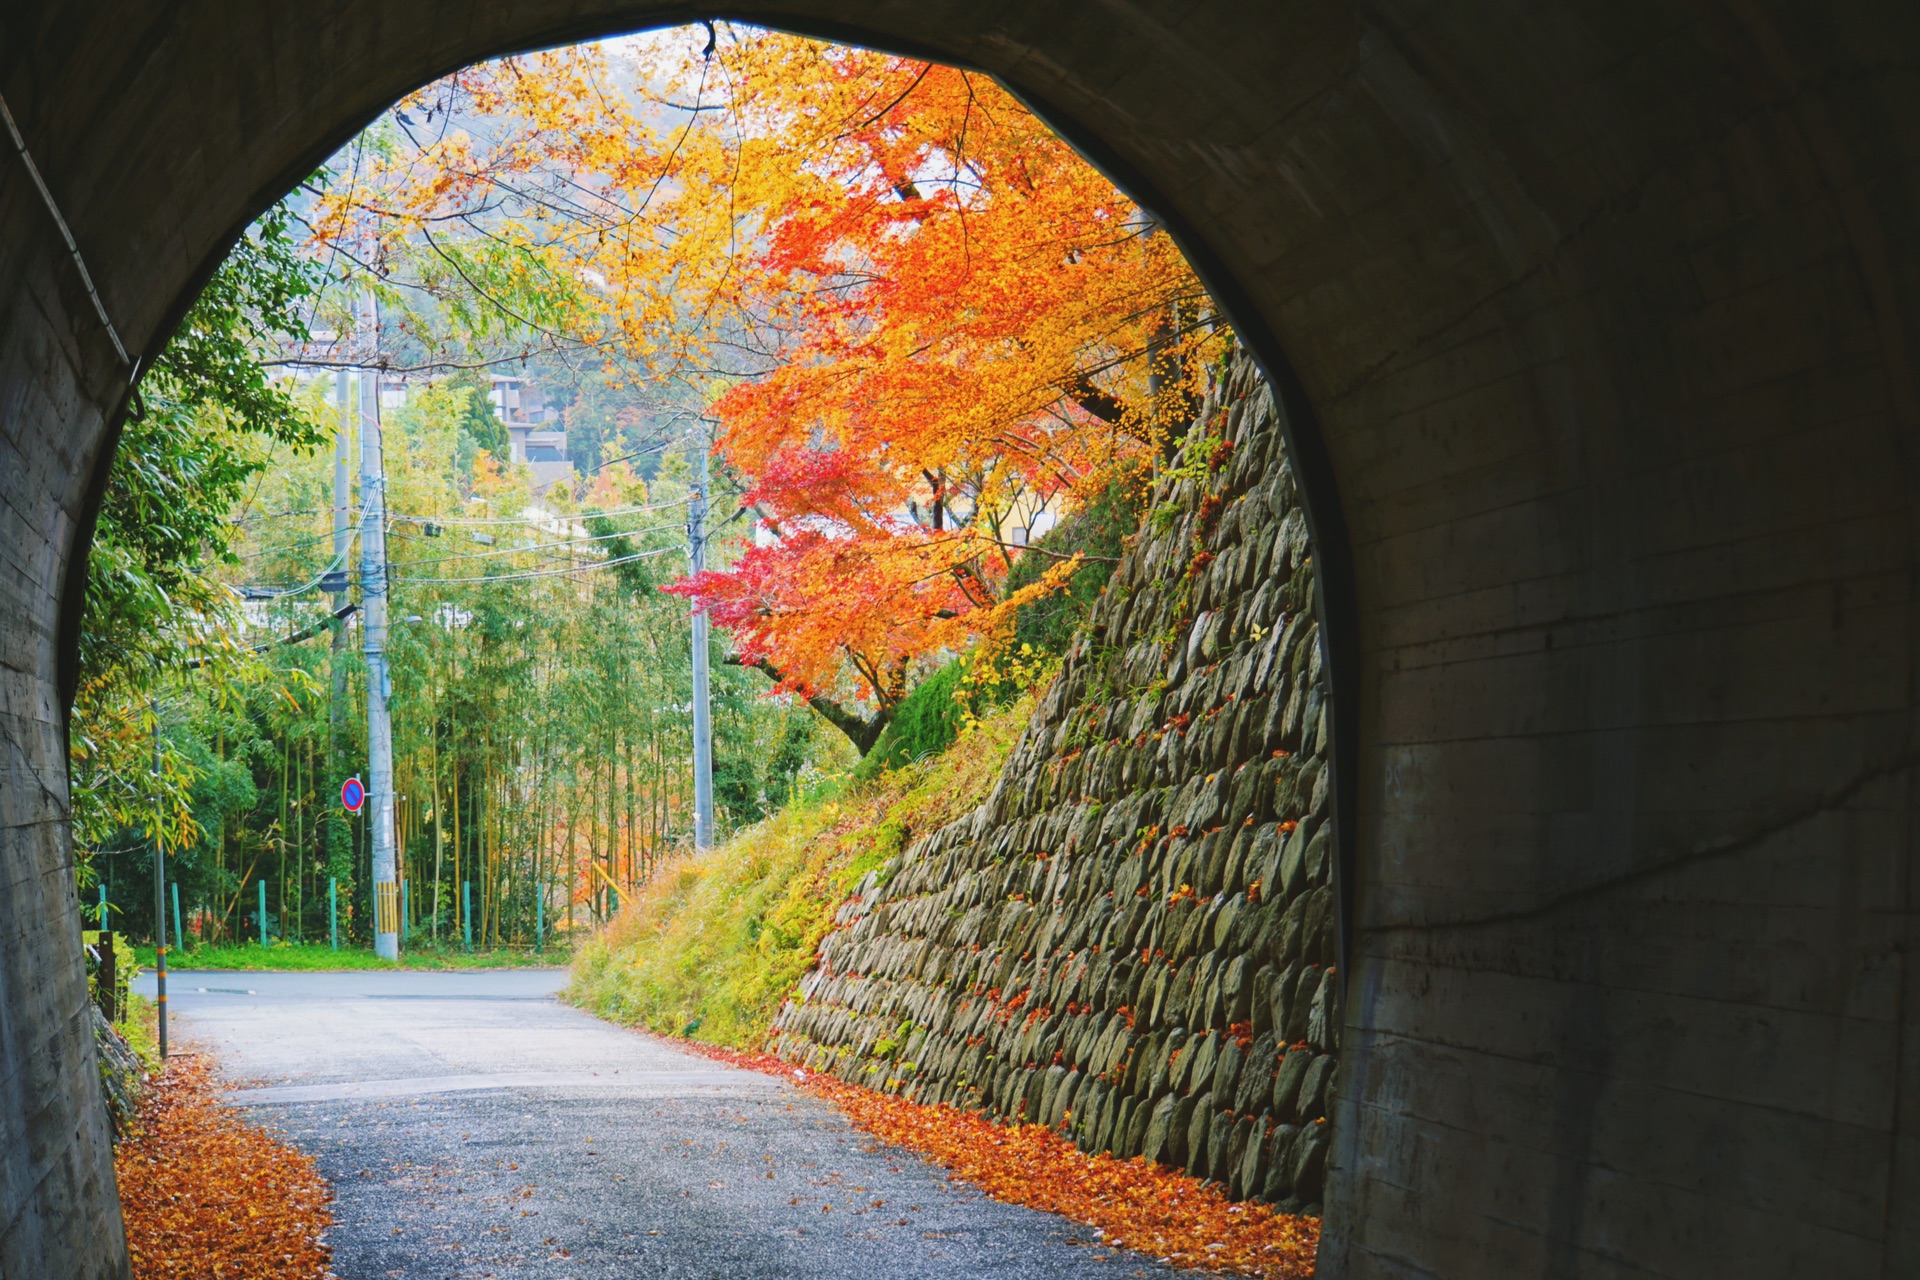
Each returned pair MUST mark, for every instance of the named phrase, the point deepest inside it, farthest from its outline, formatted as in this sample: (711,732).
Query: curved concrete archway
(1596,323)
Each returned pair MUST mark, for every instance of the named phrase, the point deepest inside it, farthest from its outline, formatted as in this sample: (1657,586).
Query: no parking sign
(353,795)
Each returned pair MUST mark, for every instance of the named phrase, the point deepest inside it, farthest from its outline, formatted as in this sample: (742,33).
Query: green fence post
(539,920)
(100,917)
(333,910)
(466,914)
(179,934)
(403,909)
(263,911)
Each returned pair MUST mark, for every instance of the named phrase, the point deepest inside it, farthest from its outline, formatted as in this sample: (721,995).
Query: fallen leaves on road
(207,1196)
(1137,1204)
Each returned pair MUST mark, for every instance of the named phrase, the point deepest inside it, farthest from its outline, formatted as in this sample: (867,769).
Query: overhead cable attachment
(86,278)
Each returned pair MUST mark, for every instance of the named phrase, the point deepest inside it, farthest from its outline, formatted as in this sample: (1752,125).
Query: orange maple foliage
(921,320)
(1137,1204)
(207,1196)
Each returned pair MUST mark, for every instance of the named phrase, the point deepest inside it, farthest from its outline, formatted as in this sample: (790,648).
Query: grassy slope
(142,1030)
(715,944)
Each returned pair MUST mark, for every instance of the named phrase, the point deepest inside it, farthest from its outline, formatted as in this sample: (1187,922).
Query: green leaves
(255,302)
(203,428)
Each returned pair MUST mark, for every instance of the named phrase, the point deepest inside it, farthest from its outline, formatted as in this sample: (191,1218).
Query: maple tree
(921,324)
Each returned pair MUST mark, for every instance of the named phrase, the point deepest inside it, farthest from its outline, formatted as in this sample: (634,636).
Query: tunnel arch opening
(1335,602)
(1275,423)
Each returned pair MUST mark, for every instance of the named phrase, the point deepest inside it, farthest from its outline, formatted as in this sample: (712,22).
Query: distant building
(535,441)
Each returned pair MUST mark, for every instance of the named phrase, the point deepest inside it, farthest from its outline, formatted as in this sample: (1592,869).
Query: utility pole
(159,885)
(373,605)
(702,712)
(342,486)
(337,661)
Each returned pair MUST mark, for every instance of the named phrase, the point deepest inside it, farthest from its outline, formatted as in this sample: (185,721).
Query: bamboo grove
(542,731)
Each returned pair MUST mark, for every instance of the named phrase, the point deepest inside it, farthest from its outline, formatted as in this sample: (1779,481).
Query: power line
(334,565)
(257,516)
(338,562)
(578,515)
(300,544)
(538,547)
(545,573)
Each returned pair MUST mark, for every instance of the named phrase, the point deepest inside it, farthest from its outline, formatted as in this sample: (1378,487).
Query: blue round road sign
(353,795)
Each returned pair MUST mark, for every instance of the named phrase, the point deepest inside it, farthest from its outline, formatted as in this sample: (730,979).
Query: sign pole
(353,797)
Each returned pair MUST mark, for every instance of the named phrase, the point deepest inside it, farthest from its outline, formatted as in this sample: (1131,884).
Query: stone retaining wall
(1134,937)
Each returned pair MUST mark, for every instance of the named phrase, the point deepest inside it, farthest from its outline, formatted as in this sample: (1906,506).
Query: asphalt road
(474,1128)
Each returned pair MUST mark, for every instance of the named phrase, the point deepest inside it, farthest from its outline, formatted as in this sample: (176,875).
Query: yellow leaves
(204,1194)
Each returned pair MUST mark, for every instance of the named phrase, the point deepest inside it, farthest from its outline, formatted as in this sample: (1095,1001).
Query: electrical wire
(339,561)
(258,516)
(544,573)
(463,521)
(535,548)
(300,544)
(334,565)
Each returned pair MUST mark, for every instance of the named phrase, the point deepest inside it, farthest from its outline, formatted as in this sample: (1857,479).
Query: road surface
(476,1129)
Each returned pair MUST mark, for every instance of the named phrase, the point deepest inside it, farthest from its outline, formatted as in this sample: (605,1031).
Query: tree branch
(1101,404)
(862,733)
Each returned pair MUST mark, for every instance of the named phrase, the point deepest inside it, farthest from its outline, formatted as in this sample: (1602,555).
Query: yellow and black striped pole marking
(387,907)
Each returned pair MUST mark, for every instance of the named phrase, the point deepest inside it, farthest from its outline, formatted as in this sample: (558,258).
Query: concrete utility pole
(159,886)
(373,607)
(342,485)
(702,713)
(342,540)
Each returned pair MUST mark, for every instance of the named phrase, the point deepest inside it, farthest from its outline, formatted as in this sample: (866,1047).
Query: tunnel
(1592,324)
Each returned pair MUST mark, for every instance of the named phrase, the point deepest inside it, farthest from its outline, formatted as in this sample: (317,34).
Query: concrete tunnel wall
(1593,327)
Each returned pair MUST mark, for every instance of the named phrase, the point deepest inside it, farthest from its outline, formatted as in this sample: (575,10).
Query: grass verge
(318,957)
(141,1030)
(712,945)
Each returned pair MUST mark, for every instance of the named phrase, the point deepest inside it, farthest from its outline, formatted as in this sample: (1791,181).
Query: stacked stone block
(1133,938)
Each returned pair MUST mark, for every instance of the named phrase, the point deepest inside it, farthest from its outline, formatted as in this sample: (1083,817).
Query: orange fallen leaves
(207,1196)
(1137,1204)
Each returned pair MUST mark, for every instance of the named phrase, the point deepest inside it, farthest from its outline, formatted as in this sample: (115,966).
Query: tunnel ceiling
(1593,324)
